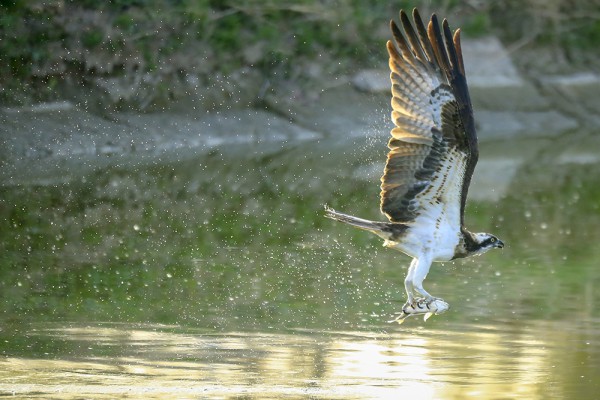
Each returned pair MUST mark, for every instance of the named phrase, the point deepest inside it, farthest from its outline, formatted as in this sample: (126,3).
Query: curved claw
(402,315)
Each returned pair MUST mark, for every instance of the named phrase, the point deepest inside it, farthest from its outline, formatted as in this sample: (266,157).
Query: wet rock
(341,111)
(49,130)
(580,148)
(494,81)
(348,117)
(488,64)
(578,94)
(57,145)
(372,81)
(495,125)
(577,80)
(499,164)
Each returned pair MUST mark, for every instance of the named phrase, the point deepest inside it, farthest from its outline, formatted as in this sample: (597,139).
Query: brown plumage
(433,117)
(432,156)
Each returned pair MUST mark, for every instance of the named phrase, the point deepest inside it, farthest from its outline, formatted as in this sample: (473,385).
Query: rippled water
(505,360)
(218,277)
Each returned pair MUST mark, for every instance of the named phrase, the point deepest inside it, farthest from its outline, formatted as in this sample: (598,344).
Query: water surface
(218,277)
(504,360)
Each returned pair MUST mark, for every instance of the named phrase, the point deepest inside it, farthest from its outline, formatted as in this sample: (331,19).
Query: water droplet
(136,227)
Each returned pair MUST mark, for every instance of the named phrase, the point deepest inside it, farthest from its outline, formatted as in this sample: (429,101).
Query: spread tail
(379,228)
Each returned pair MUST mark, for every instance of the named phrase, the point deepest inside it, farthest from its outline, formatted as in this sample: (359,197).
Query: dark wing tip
(394,28)
(439,48)
(452,52)
(416,14)
(456,40)
(404,17)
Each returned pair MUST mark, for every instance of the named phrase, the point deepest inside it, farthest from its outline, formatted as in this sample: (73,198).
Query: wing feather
(415,42)
(423,34)
(433,148)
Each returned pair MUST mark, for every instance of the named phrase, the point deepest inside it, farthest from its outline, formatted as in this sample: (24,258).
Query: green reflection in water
(216,242)
(237,243)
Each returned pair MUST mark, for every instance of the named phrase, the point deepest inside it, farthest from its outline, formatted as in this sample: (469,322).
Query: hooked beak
(500,244)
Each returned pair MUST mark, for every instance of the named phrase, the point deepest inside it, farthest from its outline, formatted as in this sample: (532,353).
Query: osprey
(432,156)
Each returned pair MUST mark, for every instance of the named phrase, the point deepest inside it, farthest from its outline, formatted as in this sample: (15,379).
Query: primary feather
(434,130)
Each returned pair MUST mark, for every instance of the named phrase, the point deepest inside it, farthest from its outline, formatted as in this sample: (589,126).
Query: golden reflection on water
(168,362)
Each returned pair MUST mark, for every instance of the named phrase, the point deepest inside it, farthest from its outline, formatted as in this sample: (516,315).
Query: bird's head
(485,242)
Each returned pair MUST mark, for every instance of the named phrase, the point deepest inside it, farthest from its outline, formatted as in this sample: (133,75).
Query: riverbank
(56,142)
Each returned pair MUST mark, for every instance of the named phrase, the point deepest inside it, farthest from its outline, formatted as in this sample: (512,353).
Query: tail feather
(379,228)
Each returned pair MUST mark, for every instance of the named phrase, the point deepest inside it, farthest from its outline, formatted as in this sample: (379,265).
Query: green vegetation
(246,244)
(42,41)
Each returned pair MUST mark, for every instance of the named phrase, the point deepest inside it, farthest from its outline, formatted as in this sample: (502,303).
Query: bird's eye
(493,240)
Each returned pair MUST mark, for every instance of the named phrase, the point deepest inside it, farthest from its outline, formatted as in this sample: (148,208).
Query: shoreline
(45,142)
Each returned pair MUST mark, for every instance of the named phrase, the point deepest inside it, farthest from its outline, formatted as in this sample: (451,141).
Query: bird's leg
(419,274)
(425,303)
(413,283)
(408,307)
(408,282)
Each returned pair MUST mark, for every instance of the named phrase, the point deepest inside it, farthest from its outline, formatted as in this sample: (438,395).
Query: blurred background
(163,171)
(147,53)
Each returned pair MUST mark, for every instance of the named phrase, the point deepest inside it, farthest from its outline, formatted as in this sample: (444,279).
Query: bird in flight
(432,155)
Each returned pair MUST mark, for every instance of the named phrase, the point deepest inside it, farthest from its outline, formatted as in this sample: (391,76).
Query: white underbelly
(431,234)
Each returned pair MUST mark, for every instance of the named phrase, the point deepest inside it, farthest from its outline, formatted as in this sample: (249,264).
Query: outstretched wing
(433,149)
